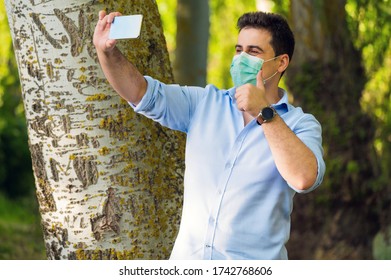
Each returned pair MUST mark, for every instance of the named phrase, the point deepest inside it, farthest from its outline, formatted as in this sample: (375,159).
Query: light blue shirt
(236,204)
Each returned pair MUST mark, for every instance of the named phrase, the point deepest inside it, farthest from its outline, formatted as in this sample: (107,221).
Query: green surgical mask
(245,67)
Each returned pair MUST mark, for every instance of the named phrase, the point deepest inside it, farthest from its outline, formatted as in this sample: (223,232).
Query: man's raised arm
(123,76)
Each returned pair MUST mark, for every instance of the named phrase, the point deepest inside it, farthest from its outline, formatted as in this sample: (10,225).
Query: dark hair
(283,41)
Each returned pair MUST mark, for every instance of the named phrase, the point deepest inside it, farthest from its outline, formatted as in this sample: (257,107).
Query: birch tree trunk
(108,182)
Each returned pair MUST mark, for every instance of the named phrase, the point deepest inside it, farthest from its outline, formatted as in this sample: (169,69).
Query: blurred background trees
(328,78)
(340,73)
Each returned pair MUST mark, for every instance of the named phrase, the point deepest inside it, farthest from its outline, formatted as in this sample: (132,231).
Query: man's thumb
(260,80)
(110,44)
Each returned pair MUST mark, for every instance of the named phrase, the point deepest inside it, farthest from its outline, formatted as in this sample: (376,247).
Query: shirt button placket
(209,240)
(212,224)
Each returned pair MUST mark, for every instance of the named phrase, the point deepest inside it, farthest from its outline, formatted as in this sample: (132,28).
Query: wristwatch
(267,114)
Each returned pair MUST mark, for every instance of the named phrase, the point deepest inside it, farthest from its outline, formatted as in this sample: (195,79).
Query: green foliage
(382,245)
(369,22)
(167,10)
(20,231)
(370,25)
(353,182)
(281,7)
(15,164)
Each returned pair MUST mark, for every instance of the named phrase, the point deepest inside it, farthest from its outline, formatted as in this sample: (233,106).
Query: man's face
(256,42)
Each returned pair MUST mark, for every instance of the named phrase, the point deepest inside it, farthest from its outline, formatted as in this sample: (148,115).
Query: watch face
(267,113)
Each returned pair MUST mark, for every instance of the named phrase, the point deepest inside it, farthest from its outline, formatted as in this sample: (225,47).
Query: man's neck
(272,93)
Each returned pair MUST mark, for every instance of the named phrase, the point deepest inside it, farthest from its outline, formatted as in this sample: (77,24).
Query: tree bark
(108,182)
(339,220)
(191,42)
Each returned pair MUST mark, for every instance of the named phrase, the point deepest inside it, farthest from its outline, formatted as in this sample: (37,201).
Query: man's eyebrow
(249,47)
(255,47)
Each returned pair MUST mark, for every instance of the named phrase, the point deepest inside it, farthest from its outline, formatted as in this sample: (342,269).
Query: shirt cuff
(319,177)
(143,104)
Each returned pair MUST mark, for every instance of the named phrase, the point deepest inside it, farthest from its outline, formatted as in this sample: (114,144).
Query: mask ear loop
(264,81)
(270,59)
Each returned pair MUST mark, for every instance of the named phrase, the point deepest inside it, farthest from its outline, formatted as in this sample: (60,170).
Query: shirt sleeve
(170,105)
(309,130)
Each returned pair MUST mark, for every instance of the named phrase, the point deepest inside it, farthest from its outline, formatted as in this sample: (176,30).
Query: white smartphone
(126,27)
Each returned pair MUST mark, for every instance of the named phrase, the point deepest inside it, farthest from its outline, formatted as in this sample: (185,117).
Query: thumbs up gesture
(251,99)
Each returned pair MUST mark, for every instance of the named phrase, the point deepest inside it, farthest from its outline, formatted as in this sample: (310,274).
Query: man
(248,151)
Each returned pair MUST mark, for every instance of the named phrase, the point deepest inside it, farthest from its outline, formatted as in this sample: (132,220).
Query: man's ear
(284,62)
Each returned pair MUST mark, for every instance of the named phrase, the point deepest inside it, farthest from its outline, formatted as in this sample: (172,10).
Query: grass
(20,230)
